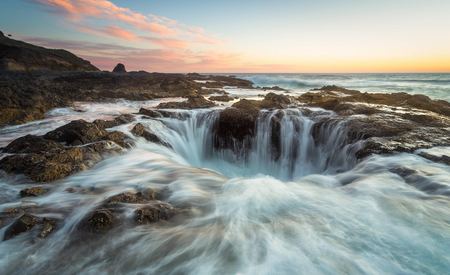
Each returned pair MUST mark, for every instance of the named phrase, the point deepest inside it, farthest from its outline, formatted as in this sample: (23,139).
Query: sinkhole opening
(285,144)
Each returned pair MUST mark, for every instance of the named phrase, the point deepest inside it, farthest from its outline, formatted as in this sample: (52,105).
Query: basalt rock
(119,68)
(274,88)
(330,97)
(236,125)
(80,132)
(193,102)
(109,213)
(122,119)
(33,144)
(45,160)
(99,221)
(48,226)
(77,132)
(275,101)
(150,113)
(154,212)
(442,159)
(20,56)
(140,197)
(34,191)
(382,133)
(139,130)
(223,98)
(23,224)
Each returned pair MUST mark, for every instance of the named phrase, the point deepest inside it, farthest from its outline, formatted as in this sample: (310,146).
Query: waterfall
(287,144)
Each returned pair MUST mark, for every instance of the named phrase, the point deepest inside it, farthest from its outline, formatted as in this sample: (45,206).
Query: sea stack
(120,68)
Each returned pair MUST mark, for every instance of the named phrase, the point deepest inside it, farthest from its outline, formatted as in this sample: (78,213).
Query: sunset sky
(241,36)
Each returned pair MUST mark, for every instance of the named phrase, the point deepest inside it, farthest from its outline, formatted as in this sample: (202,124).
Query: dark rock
(150,113)
(193,102)
(99,221)
(33,191)
(25,223)
(236,126)
(20,56)
(272,100)
(120,68)
(442,159)
(48,226)
(122,119)
(139,130)
(32,144)
(223,98)
(56,164)
(154,212)
(329,97)
(132,197)
(118,138)
(274,88)
(334,88)
(77,132)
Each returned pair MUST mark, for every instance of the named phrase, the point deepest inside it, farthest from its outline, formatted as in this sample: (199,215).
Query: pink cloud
(106,56)
(119,32)
(172,46)
(79,9)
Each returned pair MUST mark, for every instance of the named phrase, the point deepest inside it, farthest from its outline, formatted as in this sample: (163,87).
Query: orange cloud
(119,32)
(79,9)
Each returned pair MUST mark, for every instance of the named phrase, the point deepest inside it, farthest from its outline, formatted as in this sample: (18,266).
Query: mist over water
(308,208)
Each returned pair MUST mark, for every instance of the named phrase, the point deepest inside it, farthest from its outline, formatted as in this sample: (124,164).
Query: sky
(282,36)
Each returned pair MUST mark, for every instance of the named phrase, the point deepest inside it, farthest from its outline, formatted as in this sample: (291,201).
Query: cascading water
(303,206)
(288,144)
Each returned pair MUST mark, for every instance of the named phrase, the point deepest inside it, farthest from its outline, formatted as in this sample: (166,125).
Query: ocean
(436,86)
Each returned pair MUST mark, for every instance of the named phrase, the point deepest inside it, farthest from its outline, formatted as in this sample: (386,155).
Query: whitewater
(311,209)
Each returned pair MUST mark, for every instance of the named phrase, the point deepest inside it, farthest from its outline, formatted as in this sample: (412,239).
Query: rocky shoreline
(378,123)
(383,123)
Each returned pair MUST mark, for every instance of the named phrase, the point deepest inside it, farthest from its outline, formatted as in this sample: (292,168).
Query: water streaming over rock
(301,206)
(287,144)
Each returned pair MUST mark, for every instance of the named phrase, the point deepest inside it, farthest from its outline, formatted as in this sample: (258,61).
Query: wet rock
(329,97)
(427,119)
(223,98)
(48,226)
(334,88)
(150,113)
(235,126)
(119,138)
(154,212)
(32,144)
(100,221)
(139,130)
(33,191)
(193,102)
(25,223)
(54,165)
(421,182)
(274,101)
(442,159)
(122,119)
(274,88)
(119,68)
(132,197)
(77,132)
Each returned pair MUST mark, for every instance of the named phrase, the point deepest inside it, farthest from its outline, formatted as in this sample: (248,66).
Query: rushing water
(309,208)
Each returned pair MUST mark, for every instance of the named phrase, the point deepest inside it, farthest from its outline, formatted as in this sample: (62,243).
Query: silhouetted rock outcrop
(119,68)
(20,56)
